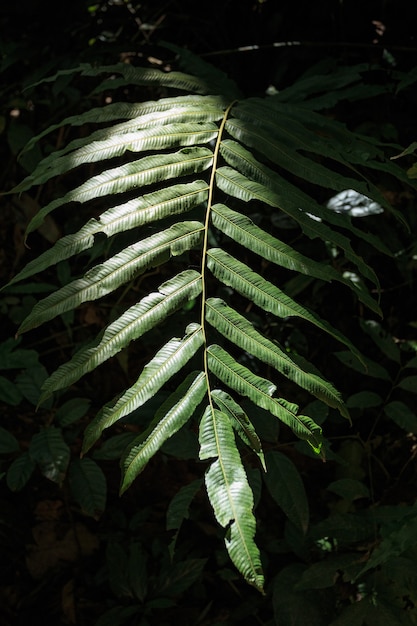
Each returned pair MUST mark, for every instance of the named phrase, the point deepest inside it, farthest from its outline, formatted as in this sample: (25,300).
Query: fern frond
(139,115)
(132,214)
(239,331)
(251,152)
(169,360)
(181,406)
(132,324)
(134,76)
(240,422)
(292,200)
(230,494)
(122,267)
(260,390)
(264,294)
(239,186)
(133,175)
(154,138)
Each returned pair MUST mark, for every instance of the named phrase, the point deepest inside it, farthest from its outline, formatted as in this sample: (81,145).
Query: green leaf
(132,175)
(373,369)
(354,615)
(401,415)
(13,357)
(325,574)
(183,445)
(412,363)
(113,447)
(117,565)
(19,471)
(394,543)
(349,489)
(364,400)
(8,442)
(297,608)
(374,609)
(238,330)
(118,615)
(49,450)
(260,390)
(169,360)
(230,494)
(285,485)
(71,411)
(345,528)
(29,383)
(181,407)
(383,340)
(137,571)
(121,268)
(240,422)
(179,577)
(10,392)
(131,325)
(178,508)
(409,383)
(88,486)
(132,214)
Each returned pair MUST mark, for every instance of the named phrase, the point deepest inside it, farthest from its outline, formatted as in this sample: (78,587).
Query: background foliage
(339,535)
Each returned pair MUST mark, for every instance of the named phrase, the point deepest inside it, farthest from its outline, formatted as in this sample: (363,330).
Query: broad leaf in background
(19,471)
(88,486)
(50,452)
(285,485)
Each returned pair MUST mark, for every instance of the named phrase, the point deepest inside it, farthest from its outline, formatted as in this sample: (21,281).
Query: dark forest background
(60,564)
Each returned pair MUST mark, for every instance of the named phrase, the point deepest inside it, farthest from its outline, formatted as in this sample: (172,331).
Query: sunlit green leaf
(131,325)
(170,359)
(187,188)
(230,494)
(177,412)
(122,267)
(240,421)
(260,390)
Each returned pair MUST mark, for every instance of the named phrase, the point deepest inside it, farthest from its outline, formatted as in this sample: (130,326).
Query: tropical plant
(214,169)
